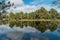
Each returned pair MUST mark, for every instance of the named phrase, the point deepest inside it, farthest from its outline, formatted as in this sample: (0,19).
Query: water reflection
(29,30)
(41,26)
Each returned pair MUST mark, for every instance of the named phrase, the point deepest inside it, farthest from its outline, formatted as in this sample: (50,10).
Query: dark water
(29,31)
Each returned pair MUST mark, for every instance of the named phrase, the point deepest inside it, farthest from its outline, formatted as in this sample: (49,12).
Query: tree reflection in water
(39,25)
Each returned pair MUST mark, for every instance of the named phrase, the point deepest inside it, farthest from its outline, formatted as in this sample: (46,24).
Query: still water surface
(29,32)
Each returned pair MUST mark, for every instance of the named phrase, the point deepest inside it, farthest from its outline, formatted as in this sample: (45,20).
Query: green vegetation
(41,13)
(41,26)
(38,14)
(17,19)
(33,19)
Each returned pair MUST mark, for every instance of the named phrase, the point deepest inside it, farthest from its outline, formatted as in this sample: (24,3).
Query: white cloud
(35,2)
(26,8)
(17,2)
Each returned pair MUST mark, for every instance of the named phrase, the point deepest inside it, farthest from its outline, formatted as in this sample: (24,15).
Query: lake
(29,31)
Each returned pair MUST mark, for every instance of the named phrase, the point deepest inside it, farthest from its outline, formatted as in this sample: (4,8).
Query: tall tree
(53,13)
(11,15)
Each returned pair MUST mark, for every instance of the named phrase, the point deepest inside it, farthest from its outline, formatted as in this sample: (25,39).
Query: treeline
(13,19)
(41,13)
(41,26)
(38,14)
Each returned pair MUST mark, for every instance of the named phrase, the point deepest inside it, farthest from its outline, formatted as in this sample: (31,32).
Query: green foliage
(11,15)
(0,16)
(42,13)
(53,13)
(11,23)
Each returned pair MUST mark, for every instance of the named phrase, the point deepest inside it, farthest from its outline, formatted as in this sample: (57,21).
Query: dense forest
(13,19)
(41,13)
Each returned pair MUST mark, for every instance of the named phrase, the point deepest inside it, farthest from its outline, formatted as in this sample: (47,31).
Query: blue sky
(31,5)
(38,1)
